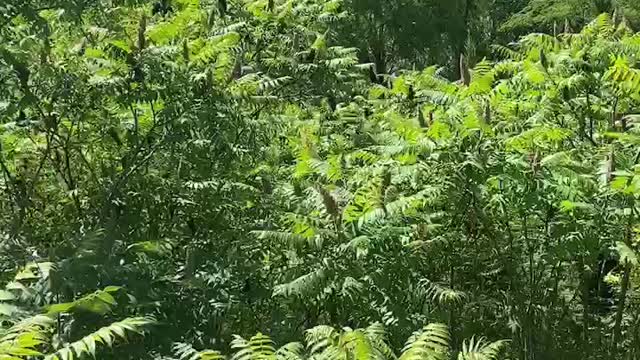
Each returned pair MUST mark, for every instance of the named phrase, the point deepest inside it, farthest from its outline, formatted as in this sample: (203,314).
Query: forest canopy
(319,179)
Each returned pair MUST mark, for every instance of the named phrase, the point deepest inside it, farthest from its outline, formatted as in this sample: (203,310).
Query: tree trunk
(585,305)
(452,313)
(621,302)
(377,52)
(617,327)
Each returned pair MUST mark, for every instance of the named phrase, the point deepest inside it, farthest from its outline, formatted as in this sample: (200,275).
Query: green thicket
(271,179)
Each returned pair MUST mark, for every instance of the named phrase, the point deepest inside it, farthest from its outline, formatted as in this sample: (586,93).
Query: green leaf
(6,295)
(626,254)
(8,309)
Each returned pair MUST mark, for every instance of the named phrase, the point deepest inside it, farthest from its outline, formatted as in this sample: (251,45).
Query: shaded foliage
(233,175)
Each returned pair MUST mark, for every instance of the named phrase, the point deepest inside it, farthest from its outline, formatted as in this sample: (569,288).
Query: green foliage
(326,342)
(99,302)
(185,351)
(23,338)
(480,350)
(299,170)
(430,343)
(28,337)
(105,336)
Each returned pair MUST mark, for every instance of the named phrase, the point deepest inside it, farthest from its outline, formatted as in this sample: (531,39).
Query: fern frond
(341,62)
(626,254)
(479,349)
(259,347)
(358,245)
(506,52)
(99,302)
(482,68)
(356,343)
(430,78)
(535,42)
(268,83)
(622,73)
(231,28)
(377,334)
(304,286)
(430,343)
(106,336)
(403,206)
(443,295)
(155,248)
(351,288)
(290,351)
(288,238)
(23,338)
(327,343)
(437,97)
(319,338)
(602,26)
(185,351)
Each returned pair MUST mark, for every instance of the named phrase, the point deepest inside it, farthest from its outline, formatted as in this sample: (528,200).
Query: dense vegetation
(322,179)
